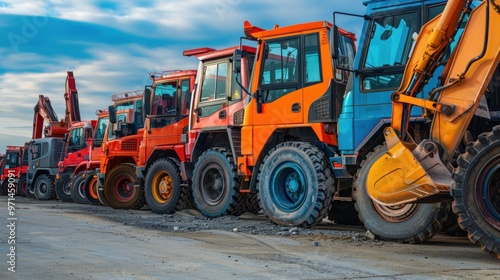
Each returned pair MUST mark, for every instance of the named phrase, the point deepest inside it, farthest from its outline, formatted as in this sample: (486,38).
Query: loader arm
(45,113)
(411,172)
(71,98)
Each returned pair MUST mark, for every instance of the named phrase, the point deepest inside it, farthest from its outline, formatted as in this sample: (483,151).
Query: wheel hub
(293,185)
(396,213)
(165,187)
(43,188)
(124,188)
(213,183)
(288,186)
(67,187)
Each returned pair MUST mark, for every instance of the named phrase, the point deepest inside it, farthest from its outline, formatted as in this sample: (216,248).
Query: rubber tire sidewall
(170,205)
(412,230)
(50,194)
(4,186)
(76,185)
(21,186)
(134,202)
(91,182)
(300,216)
(465,204)
(60,186)
(224,207)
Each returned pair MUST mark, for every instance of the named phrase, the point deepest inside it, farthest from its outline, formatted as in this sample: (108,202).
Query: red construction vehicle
(213,139)
(22,184)
(84,184)
(116,174)
(166,104)
(11,168)
(75,152)
(458,159)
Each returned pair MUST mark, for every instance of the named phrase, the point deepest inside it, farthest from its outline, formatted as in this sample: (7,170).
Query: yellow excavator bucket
(407,173)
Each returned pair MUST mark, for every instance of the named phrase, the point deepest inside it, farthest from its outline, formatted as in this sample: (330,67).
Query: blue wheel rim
(489,191)
(288,187)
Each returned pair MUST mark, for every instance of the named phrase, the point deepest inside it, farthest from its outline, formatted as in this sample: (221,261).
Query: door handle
(295,107)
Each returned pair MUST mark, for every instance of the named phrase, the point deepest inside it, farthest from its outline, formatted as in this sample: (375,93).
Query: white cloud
(114,68)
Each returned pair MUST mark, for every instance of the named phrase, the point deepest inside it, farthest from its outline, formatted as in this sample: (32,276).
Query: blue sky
(111,46)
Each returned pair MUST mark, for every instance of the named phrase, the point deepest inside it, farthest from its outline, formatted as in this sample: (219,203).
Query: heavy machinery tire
(295,184)
(163,187)
(477,191)
(119,188)
(44,188)
(91,189)
(344,213)
(252,203)
(216,184)
(100,195)
(3,188)
(21,186)
(30,190)
(63,187)
(405,223)
(78,188)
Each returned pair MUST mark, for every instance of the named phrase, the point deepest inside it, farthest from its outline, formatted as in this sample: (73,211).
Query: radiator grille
(129,145)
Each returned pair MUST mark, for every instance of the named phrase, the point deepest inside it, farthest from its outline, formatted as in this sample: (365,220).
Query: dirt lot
(55,240)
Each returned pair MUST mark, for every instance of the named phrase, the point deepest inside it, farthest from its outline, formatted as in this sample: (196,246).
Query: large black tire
(295,184)
(78,188)
(216,184)
(119,188)
(477,191)
(100,193)
(91,188)
(3,188)
(405,223)
(344,213)
(30,190)
(21,186)
(163,190)
(252,203)
(63,187)
(44,188)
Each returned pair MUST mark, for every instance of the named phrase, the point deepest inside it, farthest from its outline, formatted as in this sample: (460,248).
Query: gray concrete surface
(55,240)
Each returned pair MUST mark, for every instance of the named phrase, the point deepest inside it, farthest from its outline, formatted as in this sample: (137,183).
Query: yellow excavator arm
(411,172)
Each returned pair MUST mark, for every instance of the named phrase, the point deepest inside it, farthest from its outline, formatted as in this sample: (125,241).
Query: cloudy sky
(112,45)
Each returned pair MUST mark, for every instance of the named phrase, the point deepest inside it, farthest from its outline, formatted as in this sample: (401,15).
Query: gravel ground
(56,240)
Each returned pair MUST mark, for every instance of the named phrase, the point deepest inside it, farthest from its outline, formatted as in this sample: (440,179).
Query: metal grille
(129,145)
(321,109)
(238,116)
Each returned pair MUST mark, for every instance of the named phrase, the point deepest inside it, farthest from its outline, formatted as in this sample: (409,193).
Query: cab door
(279,96)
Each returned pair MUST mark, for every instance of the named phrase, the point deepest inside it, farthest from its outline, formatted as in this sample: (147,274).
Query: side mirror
(188,100)
(147,100)
(237,55)
(112,114)
(335,42)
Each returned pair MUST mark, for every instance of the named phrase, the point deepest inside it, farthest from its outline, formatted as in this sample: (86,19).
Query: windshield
(164,99)
(391,40)
(11,159)
(100,130)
